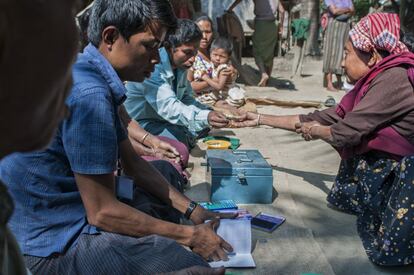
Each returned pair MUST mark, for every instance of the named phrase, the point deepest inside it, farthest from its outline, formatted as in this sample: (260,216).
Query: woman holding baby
(212,74)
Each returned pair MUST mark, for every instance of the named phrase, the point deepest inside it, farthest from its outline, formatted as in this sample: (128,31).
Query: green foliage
(361,8)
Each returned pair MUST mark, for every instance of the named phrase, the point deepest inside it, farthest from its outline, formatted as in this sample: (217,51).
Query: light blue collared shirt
(166,96)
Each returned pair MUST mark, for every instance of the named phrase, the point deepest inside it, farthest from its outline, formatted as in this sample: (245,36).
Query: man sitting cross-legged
(67,218)
(164,104)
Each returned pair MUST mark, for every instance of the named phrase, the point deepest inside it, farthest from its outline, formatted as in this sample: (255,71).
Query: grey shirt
(389,101)
(265,9)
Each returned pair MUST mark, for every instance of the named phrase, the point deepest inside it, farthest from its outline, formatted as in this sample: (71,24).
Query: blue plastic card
(219,205)
(267,222)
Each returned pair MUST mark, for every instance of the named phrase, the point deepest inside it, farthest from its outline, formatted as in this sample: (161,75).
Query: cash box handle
(244,160)
(239,153)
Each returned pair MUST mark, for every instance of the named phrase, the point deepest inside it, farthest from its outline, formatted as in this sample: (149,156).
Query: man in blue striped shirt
(68,219)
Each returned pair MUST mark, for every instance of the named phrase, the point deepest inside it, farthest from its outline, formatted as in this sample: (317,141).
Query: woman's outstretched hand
(304,128)
(313,130)
(249,120)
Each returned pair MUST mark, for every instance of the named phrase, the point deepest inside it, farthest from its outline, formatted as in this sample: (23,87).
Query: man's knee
(173,255)
(146,255)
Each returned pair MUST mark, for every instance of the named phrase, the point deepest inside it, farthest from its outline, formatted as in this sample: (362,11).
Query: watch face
(190,209)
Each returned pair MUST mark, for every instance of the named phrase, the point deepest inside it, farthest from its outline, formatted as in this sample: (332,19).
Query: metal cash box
(243,176)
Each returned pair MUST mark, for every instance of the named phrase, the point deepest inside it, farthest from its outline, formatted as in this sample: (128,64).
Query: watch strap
(190,209)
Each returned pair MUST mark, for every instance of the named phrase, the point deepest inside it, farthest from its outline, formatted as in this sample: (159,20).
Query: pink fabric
(182,150)
(386,139)
(183,13)
(379,31)
(324,21)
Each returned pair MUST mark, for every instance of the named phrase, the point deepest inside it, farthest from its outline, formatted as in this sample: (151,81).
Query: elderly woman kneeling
(373,130)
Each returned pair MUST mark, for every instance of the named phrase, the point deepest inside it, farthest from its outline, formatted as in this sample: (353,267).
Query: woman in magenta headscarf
(372,128)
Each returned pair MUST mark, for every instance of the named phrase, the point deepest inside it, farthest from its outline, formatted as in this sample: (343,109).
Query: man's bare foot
(263,81)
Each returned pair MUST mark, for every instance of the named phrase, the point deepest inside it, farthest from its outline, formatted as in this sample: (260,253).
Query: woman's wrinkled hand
(249,120)
(164,150)
(305,129)
(217,120)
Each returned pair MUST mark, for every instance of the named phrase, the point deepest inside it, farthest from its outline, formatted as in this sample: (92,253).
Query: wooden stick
(287,104)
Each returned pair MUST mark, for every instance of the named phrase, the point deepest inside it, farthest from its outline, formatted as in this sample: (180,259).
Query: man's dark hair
(204,18)
(128,16)
(222,43)
(186,32)
(83,23)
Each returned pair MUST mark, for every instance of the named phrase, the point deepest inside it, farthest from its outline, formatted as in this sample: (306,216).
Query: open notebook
(238,233)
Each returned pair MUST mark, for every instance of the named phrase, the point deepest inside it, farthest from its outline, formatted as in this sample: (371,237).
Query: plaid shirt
(49,215)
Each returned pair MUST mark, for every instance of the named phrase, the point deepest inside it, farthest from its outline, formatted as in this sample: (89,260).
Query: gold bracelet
(144,137)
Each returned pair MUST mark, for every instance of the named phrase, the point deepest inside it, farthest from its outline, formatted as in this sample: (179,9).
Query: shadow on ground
(221,132)
(199,192)
(275,194)
(316,179)
(278,83)
(197,152)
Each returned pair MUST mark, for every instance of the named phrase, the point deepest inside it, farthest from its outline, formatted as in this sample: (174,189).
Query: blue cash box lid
(228,162)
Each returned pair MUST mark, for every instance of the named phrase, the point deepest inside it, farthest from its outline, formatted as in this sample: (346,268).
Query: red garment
(385,139)
(181,9)
(378,31)
(324,21)
(183,12)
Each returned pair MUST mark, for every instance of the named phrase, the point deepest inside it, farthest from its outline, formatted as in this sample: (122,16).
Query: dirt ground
(314,239)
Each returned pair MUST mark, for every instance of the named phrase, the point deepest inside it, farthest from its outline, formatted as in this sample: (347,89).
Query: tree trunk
(407,15)
(197,5)
(310,10)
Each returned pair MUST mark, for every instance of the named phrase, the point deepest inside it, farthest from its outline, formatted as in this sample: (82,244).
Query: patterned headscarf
(380,31)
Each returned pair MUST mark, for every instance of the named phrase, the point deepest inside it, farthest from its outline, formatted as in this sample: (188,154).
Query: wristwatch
(190,209)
